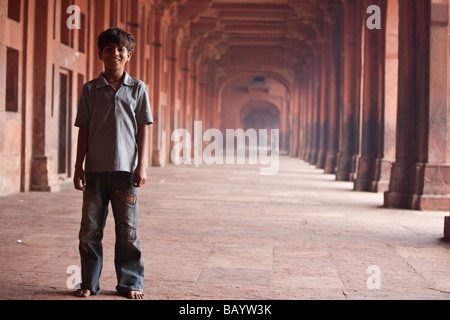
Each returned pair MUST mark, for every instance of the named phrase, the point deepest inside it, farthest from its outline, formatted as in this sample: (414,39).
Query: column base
(373,175)
(330,163)
(343,168)
(401,200)
(321,159)
(158,159)
(362,185)
(382,175)
(354,168)
(43,174)
(344,176)
(447,228)
(419,187)
(366,172)
(435,202)
(312,157)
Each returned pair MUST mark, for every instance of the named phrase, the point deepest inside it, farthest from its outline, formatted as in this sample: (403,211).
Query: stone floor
(227,232)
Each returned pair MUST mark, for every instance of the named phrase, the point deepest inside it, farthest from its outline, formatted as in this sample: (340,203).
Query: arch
(260,114)
(242,88)
(268,74)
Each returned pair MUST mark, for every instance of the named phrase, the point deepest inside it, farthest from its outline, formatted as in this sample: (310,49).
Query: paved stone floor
(226,232)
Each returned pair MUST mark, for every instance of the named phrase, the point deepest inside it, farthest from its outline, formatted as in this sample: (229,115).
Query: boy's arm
(140,174)
(79,177)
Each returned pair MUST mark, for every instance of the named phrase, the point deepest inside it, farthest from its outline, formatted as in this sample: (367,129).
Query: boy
(113,118)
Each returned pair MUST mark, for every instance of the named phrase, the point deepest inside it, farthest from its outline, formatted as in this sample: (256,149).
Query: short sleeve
(82,119)
(143,109)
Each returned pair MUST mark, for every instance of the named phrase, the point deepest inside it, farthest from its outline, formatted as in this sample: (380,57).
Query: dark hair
(116,36)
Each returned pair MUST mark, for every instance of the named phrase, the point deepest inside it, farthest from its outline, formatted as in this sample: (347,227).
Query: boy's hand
(79,179)
(139,176)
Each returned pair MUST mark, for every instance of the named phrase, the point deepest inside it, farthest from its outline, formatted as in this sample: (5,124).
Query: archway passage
(256,101)
(365,104)
(368,106)
(264,119)
(260,115)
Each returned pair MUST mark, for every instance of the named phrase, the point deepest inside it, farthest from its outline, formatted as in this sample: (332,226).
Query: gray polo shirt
(113,118)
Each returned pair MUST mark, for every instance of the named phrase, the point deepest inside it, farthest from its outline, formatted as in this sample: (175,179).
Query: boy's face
(114,57)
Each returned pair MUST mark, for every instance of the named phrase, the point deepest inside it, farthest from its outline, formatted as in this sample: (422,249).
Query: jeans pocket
(125,179)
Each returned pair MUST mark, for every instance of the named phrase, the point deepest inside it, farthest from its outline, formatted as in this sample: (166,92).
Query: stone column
(360,11)
(447,228)
(349,114)
(420,177)
(373,104)
(159,97)
(304,111)
(436,191)
(324,86)
(43,164)
(389,116)
(315,116)
(311,109)
(297,118)
(173,72)
(334,93)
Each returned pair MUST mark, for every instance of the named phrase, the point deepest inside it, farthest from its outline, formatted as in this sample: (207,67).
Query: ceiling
(255,34)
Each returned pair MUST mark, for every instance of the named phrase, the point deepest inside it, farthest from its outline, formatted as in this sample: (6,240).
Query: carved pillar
(420,177)
(349,115)
(373,104)
(383,168)
(309,86)
(360,9)
(297,120)
(159,96)
(43,163)
(436,192)
(304,111)
(324,86)
(173,72)
(334,94)
(315,116)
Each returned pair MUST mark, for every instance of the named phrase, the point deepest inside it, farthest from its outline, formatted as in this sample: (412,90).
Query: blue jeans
(117,188)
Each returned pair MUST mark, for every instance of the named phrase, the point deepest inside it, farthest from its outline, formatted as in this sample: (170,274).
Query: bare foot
(136,295)
(82,293)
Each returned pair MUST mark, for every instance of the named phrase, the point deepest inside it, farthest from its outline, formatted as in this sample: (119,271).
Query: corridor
(343,81)
(227,232)
(355,92)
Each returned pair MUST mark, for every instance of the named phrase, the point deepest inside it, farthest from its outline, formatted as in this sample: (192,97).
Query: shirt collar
(101,81)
